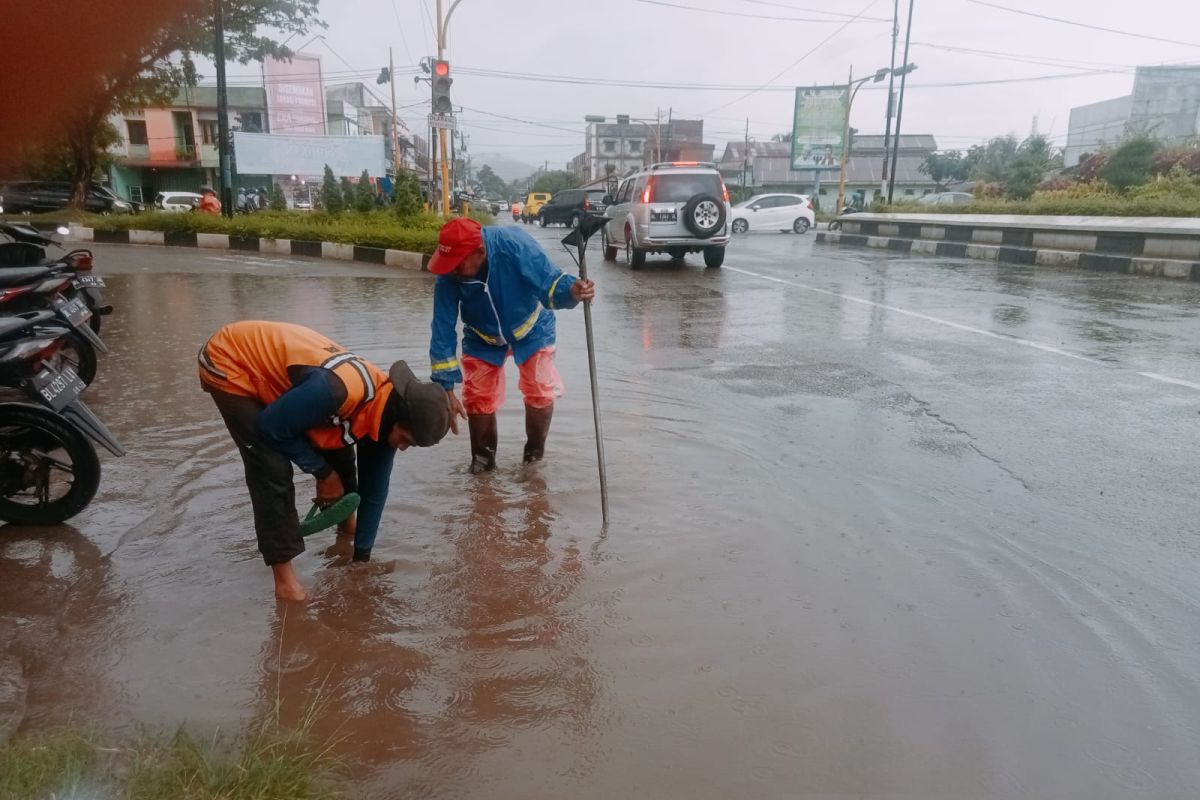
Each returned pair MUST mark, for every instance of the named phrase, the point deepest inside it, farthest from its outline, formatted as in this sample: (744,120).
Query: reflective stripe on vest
(522,330)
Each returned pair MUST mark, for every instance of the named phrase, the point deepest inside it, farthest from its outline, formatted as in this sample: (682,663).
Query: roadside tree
(163,64)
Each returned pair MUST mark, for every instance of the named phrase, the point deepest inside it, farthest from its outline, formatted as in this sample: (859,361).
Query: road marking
(1004,337)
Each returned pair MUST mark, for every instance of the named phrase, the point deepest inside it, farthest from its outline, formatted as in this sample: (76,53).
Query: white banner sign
(277,154)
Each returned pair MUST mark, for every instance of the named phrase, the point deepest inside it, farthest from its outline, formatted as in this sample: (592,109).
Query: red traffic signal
(441,68)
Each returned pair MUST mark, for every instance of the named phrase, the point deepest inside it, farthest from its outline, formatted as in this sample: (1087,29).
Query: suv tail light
(648,194)
(587,204)
(80,259)
(725,191)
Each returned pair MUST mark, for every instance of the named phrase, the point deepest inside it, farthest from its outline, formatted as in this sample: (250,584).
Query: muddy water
(814,585)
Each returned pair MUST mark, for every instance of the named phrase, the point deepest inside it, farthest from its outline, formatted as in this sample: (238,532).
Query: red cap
(459,238)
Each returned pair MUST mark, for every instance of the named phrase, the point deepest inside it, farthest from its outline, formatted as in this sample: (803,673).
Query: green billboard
(819,126)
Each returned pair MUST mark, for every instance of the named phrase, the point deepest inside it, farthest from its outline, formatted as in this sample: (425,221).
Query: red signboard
(295,95)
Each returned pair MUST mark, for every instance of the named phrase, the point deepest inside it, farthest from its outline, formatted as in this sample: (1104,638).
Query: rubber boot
(483,442)
(537,426)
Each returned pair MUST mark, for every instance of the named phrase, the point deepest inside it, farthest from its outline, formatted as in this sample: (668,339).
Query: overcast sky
(751,43)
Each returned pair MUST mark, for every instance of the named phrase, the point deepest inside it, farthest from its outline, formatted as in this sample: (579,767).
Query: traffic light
(441,88)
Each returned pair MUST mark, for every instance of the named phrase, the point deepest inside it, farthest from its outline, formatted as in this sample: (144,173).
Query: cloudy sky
(1008,67)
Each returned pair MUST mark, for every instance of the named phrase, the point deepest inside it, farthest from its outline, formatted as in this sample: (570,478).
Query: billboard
(272,154)
(819,127)
(295,95)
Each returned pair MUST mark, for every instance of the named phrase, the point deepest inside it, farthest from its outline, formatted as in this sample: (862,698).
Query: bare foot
(287,585)
(292,594)
(342,550)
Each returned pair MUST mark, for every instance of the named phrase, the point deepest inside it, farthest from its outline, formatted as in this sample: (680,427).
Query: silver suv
(677,208)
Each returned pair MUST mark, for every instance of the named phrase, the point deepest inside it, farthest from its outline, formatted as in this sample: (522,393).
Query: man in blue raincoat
(506,290)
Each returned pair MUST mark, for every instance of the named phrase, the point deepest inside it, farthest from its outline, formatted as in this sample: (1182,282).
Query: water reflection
(416,676)
(57,622)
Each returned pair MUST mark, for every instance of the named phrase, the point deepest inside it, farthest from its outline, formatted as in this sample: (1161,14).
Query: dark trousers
(269,478)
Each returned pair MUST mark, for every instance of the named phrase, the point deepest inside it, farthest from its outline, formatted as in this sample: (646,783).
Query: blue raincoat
(508,306)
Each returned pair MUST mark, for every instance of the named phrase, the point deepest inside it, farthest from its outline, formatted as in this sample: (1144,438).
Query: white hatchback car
(176,201)
(774,212)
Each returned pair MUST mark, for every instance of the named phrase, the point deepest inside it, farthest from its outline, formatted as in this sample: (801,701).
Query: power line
(742,15)
(791,66)
(1025,59)
(525,121)
(1081,24)
(400,27)
(813,10)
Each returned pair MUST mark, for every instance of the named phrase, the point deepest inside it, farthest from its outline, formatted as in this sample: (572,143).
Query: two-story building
(175,148)
(613,149)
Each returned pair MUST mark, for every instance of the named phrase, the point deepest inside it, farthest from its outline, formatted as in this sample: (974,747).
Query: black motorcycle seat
(11,325)
(18,276)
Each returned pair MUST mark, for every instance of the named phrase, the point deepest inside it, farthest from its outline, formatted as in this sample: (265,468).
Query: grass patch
(263,764)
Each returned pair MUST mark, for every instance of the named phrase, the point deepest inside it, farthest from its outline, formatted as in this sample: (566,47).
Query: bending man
(289,395)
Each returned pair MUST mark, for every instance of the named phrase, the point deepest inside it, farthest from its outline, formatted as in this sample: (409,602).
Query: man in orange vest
(289,395)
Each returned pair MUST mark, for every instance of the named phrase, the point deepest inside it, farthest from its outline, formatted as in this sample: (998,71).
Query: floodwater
(854,552)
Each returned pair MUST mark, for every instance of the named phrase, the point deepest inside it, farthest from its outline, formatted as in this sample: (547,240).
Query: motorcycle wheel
(77,353)
(49,471)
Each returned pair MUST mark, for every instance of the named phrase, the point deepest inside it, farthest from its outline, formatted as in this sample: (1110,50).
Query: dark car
(568,206)
(35,197)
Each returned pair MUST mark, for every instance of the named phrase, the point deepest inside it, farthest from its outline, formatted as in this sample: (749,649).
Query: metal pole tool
(579,238)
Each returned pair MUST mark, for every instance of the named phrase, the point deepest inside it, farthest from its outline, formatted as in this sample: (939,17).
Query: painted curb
(402,259)
(1028,256)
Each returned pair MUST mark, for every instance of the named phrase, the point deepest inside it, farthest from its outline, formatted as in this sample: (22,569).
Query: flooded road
(882,527)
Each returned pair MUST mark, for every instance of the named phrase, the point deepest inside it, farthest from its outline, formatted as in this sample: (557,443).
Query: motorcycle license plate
(58,389)
(74,311)
(87,282)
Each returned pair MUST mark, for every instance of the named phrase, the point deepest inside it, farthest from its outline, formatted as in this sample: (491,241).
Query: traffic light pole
(442,23)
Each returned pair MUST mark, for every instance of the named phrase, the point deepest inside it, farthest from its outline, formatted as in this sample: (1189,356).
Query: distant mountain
(507,168)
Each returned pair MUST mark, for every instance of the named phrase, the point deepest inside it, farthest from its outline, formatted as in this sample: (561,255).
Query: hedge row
(377,229)
(1100,206)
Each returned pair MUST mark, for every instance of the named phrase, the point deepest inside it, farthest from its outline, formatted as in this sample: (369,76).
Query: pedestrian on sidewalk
(506,290)
(289,395)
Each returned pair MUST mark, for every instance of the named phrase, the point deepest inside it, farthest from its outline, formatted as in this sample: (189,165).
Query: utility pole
(223,111)
(745,162)
(887,129)
(900,105)
(395,134)
(851,89)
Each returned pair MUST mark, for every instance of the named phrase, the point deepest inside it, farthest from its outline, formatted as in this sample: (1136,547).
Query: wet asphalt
(883,526)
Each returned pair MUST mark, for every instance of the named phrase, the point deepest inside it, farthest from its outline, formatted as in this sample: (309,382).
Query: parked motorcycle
(49,470)
(836,224)
(27,248)
(24,289)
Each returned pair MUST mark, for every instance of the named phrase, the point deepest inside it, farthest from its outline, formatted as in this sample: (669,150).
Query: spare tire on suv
(704,215)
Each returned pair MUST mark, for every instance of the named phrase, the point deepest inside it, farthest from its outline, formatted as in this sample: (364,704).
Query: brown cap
(423,407)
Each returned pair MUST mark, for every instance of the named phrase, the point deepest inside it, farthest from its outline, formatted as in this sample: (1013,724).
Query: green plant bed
(374,229)
(1099,206)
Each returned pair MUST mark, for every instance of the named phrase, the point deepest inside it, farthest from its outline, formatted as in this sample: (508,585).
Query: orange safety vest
(251,359)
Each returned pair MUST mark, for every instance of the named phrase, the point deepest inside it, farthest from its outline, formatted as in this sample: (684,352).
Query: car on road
(35,197)
(176,201)
(676,207)
(773,212)
(568,207)
(947,199)
(533,204)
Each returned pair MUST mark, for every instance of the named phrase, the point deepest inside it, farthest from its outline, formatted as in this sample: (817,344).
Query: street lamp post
(853,86)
